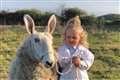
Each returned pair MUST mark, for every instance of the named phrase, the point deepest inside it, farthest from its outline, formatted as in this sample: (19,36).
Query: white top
(74,73)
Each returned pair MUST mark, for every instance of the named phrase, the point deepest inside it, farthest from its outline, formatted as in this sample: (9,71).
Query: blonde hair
(75,25)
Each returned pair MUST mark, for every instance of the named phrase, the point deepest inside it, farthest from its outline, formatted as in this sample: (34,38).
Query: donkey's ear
(29,23)
(51,24)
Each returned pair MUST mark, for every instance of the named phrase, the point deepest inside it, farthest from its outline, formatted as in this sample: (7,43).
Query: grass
(104,44)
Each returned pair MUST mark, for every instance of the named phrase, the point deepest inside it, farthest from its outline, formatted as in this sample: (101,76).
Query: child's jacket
(71,72)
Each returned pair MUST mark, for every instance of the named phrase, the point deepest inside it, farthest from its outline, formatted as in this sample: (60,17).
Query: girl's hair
(75,25)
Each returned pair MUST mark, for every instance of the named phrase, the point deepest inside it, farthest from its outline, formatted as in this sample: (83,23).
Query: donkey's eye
(37,40)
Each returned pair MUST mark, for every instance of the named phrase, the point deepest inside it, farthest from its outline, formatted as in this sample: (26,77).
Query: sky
(92,7)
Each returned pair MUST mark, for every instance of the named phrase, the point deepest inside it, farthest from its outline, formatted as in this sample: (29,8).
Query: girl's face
(72,37)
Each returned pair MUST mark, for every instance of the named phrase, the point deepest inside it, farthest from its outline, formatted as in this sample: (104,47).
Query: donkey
(35,57)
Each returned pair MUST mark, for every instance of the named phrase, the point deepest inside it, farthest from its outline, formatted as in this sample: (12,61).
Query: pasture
(103,43)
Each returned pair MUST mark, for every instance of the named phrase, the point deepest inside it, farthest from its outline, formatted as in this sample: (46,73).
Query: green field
(103,43)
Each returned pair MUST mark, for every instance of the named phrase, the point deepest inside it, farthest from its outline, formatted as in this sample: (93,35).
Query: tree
(101,22)
(89,20)
(71,12)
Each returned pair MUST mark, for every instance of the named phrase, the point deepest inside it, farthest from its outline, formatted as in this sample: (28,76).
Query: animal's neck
(32,67)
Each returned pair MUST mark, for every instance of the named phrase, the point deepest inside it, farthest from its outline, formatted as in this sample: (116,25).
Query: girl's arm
(87,60)
(63,58)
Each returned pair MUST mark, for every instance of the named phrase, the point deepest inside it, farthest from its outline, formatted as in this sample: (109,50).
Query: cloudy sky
(96,7)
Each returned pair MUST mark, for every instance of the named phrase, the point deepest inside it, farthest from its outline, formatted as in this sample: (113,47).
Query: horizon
(92,7)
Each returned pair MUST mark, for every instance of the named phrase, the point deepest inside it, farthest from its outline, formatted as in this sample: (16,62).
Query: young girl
(73,56)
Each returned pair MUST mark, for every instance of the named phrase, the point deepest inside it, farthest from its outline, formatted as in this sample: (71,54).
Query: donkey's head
(39,44)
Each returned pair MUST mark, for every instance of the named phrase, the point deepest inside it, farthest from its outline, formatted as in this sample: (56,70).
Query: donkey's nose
(49,63)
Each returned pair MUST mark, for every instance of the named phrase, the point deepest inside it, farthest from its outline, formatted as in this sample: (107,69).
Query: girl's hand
(76,61)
